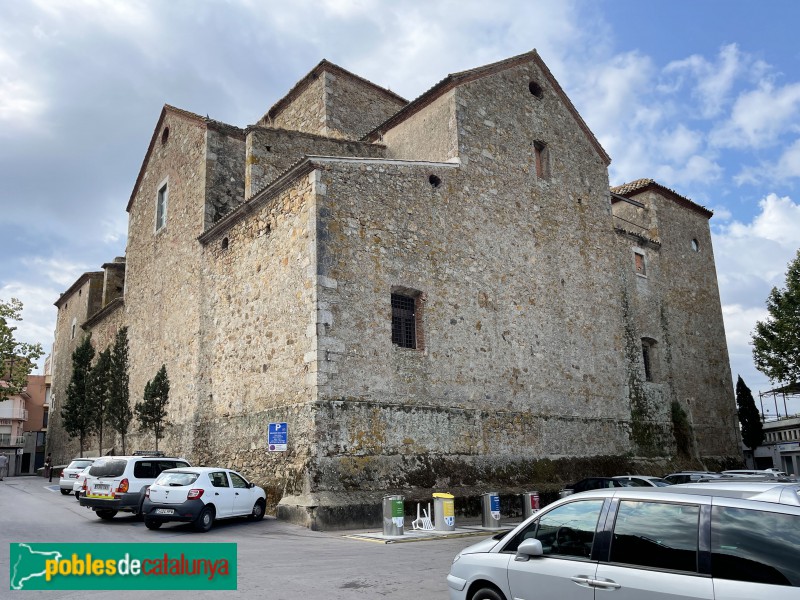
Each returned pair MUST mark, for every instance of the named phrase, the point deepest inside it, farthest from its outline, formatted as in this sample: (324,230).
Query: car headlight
(456,557)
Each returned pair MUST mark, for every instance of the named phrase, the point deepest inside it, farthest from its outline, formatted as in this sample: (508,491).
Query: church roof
(642,185)
(455,79)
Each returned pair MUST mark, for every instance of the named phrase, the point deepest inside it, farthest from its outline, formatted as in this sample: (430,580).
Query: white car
(70,473)
(77,487)
(200,495)
(117,483)
(722,540)
(642,480)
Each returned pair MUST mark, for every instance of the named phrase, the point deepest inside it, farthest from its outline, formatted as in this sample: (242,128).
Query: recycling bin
(393,515)
(530,504)
(490,510)
(444,514)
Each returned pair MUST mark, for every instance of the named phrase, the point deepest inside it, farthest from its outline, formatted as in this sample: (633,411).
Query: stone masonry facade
(553,327)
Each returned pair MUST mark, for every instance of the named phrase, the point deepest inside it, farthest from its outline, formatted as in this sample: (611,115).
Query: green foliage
(776,341)
(152,410)
(16,358)
(77,413)
(118,411)
(98,390)
(749,417)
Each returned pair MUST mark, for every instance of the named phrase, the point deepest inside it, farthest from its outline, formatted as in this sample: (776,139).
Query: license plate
(73,476)
(165,511)
(102,486)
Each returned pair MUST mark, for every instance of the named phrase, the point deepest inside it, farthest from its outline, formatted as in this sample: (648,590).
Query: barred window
(404,322)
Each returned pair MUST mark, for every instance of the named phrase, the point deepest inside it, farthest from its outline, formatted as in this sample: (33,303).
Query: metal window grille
(404,325)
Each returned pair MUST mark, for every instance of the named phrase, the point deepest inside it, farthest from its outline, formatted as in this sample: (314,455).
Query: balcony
(14,413)
(6,439)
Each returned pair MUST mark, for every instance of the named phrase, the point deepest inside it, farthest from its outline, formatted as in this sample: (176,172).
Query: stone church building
(435,295)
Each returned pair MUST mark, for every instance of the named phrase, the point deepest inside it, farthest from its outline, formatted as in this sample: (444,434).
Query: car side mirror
(251,485)
(529,548)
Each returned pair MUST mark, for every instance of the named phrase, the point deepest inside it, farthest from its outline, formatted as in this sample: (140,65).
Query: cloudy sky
(704,97)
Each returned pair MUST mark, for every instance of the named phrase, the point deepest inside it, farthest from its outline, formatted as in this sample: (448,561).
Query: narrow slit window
(161,207)
(541,156)
(404,321)
(639,264)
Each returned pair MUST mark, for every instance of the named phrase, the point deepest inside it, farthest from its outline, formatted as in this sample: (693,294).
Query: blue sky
(703,96)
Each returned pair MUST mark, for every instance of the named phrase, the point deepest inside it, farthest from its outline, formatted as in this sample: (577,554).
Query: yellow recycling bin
(444,514)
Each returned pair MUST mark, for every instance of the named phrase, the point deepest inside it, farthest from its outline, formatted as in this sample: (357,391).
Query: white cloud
(760,116)
(713,80)
(751,259)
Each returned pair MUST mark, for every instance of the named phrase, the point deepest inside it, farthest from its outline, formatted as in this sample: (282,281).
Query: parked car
(642,481)
(77,487)
(70,473)
(591,483)
(716,541)
(118,483)
(201,495)
(689,477)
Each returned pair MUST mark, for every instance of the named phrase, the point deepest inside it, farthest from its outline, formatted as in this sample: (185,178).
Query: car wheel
(106,514)
(487,594)
(152,524)
(205,520)
(77,495)
(259,508)
(65,492)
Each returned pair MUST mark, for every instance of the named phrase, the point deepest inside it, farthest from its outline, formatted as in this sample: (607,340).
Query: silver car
(715,541)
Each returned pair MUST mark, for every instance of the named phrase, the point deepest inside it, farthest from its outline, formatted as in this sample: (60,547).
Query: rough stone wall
(353,108)
(74,307)
(270,152)
(259,303)
(517,365)
(430,134)
(336,106)
(113,280)
(225,159)
(678,305)
(305,113)
(164,277)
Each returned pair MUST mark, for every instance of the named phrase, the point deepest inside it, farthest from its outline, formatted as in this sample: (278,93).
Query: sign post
(278,437)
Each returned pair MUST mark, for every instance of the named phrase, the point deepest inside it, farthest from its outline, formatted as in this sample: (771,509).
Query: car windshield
(107,468)
(79,464)
(176,479)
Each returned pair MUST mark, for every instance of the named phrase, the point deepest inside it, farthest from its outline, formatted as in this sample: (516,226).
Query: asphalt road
(276,560)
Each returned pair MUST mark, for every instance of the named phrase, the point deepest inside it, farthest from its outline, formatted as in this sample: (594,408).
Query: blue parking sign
(278,437)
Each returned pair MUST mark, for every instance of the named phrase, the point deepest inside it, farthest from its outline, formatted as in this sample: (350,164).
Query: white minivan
(721,540)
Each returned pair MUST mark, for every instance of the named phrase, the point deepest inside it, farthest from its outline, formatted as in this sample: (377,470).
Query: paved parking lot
(276,560)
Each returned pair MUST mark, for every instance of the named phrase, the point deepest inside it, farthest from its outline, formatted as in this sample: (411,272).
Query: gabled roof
(455,79)
(314,74)
(189,116)
(78,283)
(642,185)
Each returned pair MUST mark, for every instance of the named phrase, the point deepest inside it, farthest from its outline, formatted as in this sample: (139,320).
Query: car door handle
(582,580)
(605,584)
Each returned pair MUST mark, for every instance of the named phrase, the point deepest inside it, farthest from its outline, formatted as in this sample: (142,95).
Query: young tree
(77,410)
(152,410)
(749,417)
(98,393)
(118,412)
(776,341)
(16,358)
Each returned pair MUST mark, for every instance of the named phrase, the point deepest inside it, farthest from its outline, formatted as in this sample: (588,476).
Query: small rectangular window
(404,322)
(542,159)
(161,207)
(639,264)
